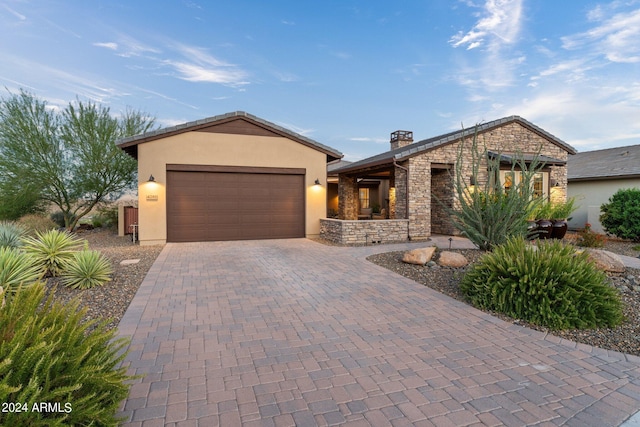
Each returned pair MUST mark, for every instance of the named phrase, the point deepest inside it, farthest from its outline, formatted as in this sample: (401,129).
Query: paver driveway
(292,332)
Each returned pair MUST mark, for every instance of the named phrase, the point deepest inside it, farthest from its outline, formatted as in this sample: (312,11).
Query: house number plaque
(152,197)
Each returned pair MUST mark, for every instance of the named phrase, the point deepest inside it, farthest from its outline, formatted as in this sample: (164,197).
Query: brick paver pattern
(296,333)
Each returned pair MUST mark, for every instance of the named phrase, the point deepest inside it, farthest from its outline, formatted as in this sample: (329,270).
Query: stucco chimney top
(401,138)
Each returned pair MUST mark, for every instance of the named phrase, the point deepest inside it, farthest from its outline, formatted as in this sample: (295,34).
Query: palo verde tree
(67,158)
(487,213)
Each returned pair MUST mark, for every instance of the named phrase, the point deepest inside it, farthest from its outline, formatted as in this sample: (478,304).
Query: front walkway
(292,332)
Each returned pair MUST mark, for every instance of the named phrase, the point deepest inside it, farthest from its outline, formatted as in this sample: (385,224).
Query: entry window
(538,185)
(364,198)
(540,182)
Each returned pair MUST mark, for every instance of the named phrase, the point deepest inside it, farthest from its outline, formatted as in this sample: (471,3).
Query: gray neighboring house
(595,176)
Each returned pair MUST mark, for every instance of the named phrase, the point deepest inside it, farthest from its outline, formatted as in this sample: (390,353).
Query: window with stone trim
(540,182)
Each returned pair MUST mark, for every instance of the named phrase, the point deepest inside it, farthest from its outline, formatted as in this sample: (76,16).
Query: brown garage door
(206,206)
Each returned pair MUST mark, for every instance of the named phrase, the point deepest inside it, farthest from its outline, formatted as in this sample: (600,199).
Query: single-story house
(595,176)
(413,175)
(229,177)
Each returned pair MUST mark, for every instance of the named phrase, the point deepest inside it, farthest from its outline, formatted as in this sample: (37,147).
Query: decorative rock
(606,260)
(452,259)
(129,261)
(419,256)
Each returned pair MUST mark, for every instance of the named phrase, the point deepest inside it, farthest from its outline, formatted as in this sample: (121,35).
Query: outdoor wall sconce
(317,182)
(151,178)
(554,183)
(472,181)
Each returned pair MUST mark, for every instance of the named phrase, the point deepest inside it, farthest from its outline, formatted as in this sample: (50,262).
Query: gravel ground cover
(624,338)
(111,300)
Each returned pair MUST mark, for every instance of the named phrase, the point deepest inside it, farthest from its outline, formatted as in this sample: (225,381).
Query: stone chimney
(401,138)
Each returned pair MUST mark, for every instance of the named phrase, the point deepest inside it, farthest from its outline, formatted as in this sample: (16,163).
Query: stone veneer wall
(508,139)
(443,191)
(361,232)
(347,197)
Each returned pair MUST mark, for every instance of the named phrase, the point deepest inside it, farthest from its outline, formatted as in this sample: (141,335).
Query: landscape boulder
(452,259)
(605,260)
(419,256)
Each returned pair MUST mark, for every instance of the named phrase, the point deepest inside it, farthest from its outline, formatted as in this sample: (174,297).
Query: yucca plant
(86,269)
(17,268)
(549,285)
(51,249)
(10,234)
(48,353)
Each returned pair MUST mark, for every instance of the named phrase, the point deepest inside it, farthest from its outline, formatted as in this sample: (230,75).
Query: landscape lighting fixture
(151,178)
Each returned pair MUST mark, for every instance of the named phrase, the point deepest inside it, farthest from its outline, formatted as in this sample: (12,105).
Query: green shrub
(86,269)
(10,234)
(48,354)
(17,268)
(589,238)
(621,216)
(35,223)
(549,285)
(108,216)
(51,249)
(58,218)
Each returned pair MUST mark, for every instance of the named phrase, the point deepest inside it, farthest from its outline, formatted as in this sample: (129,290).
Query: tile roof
(610,163)
(129,144)
(416,148)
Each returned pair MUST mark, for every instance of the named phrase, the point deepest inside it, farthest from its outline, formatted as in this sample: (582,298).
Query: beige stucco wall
(590,195)
(203,148)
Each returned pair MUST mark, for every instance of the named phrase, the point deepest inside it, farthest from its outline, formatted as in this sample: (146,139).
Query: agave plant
(86,269)
(10,234)
(17,268)
(51,249)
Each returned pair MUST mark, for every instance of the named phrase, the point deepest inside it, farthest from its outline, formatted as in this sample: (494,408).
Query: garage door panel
(234,206)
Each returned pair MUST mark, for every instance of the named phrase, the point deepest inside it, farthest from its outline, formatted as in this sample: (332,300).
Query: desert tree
(67,157)
(484,211)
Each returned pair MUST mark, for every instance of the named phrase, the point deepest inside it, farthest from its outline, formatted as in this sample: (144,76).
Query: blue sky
(346,73)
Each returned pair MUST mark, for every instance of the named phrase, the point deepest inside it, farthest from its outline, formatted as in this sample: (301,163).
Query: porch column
(400,182)
(347,197)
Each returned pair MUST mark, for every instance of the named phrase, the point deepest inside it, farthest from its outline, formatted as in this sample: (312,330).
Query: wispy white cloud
(189,63)
(495,33)
(341,55)
(499,24)
(128,46)
(20,17)
(615,37)
(197,65)
(107,45)
(369,139)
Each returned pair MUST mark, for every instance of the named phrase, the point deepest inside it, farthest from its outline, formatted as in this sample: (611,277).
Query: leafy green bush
(10,234)
(589,238)
(58,218)
(35,223)
(48,354)
(17,268)
(549,285)
(85,270)
(108,216)
(621,216)
(51,249)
